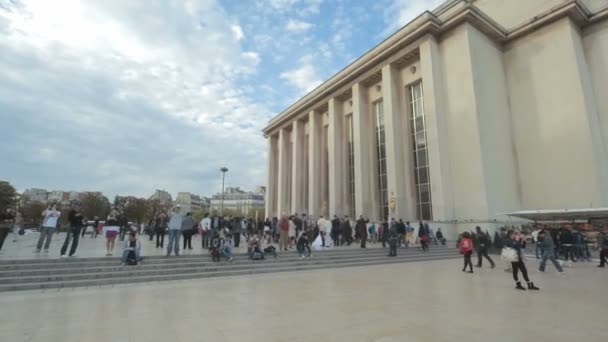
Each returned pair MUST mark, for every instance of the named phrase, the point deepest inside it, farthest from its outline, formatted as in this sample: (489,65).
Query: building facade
(239,201)
(162,196)
(191,202)
(36,195)
(473,110)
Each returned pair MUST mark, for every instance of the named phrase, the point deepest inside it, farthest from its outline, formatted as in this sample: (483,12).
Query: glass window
(419,149)
(381,159)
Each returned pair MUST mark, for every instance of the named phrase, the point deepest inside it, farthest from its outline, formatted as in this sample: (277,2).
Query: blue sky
(129,96)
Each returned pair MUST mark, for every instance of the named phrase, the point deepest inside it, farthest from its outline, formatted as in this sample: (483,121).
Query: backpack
(465,246)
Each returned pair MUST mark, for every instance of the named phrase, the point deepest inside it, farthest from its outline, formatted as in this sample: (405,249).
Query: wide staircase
(36,274)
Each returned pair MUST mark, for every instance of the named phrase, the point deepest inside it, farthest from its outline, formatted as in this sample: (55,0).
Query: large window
(381,153)
(421,160)
(351,165)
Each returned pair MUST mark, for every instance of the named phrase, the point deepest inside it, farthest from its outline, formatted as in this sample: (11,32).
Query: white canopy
(562,214)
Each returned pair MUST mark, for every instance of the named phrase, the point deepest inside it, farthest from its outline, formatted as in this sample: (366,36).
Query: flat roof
(562,214)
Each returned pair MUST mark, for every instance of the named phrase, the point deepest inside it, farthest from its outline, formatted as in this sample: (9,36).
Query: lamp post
(224,170)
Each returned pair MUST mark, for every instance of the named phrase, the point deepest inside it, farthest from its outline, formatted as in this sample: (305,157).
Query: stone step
(117,271)
(187,274)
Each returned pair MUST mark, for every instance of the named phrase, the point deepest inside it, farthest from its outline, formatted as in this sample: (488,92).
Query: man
(283,233)
(347,231)
(175,229)
(602,244)
(402,231)
(320,226)
(205,231)
(300,224)
(537,249)
(123,222)
(49,226)
(335,230)
(235,229)
(361,229)
(216,223)
(547,245)
(409,234)
(7,219)
(483,243)
(75,220)
(132,250)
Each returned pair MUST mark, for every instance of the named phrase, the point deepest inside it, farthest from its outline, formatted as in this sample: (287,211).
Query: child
(131,253)
(466,248)
(304,244)
(214,247)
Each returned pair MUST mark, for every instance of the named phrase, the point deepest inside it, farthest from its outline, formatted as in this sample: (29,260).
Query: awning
(562,214)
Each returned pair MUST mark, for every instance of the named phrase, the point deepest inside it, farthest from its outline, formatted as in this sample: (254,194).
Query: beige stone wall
(512,13)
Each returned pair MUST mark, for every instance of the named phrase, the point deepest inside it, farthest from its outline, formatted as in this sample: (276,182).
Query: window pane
(421,155)
(426,211)
(419,124)
(420,140)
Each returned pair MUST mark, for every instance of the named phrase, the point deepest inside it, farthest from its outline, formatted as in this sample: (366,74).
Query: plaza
(425,301)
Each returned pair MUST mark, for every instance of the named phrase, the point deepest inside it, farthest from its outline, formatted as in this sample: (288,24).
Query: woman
(188,230)
(516,242)
(18,225)
(112,228)
(159,229)
(423,234)
(292,232)
(466,249)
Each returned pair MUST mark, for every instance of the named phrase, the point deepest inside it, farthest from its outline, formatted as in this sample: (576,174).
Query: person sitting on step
(131,254)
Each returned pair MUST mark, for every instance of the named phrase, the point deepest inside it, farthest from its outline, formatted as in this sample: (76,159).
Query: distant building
(240,201)
(55,196)
(191,202)
(36,195)
(163,196)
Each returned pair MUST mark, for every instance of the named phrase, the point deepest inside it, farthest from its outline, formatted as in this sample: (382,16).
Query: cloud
(298,26)
(127,97)
(304,77)
(401,12)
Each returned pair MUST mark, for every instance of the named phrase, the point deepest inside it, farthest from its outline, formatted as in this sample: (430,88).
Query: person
(323,229)
(402,230)
(602,245)
(188,229)
(236,230)
(175,227)
(483,243)
(123,222)
(303,246)
(409,234)
(49,226)
(112,228)
(546,243)
(267,230)
(373,234)
(516,242)
(534,235)
(75,219)
(216,223)
(346,231)
(254,249)
(18,224)
(392,236)
(205,231)
(441,238)
(466,249)
(96,227)
(227,247)
(423,235)
(7,220)
(567,244)
(361,230)
(159,229)
(131,253)
(215,245)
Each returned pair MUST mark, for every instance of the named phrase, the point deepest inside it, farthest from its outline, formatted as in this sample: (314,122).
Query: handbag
(509,254)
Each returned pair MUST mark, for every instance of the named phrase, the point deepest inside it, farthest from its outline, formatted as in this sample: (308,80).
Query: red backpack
(466,245)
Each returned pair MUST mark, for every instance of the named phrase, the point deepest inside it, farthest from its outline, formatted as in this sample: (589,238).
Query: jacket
(516,245)
(127,245)
(187,223)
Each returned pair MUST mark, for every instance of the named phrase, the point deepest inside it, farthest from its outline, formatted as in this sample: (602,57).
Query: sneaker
(36,251)
(600,266)
(63,256)
(73,256)
(230,260)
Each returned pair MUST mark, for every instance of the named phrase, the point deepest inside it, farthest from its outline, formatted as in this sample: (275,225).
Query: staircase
(16,275)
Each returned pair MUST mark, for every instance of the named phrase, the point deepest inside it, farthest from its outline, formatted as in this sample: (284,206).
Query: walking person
(188,229)
(75,219)
(423,235)
(347,231)
(96,227)
(7,220)
(602,245)
(205,231)
(18,224)
(159,229)
(49,226)
(283,233)
(483,243)
(175,227)
(546,244)
(516,242)
(361,229)
(466,249)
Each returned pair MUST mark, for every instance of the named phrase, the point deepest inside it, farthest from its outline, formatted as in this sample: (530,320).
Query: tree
(95,204)
(32,212)
(8,195)
(136,209)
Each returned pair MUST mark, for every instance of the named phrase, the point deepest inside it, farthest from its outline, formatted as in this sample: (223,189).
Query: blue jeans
(173,241)
(539,251)
(549,255)
(227,252)
(125,255)
(46,234)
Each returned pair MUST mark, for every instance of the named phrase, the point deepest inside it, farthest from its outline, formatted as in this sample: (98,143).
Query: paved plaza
(423,301)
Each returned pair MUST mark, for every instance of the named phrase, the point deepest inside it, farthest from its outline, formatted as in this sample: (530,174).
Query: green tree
(8,195)
(95,204)
(32,212)
(136,209)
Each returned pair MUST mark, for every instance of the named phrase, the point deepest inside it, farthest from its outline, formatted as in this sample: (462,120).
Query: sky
(129,96)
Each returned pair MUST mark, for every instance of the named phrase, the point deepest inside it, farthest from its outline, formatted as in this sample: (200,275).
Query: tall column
(297,170)
(337,168)
(315,126)
(363,144)
(436,130)
(271,190)
(283,169)
(396,170)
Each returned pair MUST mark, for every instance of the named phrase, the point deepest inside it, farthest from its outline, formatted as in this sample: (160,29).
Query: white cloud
(237,31)
(402,12)
(304,77)
(298,25)
(305,7)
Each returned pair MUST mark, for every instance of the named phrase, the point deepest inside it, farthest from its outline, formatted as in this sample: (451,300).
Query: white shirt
(206,223)
(50,218)
(327,227)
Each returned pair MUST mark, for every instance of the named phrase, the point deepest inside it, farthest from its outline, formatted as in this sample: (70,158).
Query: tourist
(292,232)
(112,229)
(236,230)
(392,237)
(215,246)
(205,231)
(18,224)
(75,219)
(466,249)
(216,223)
(254,249)
(483,242)
(423,235)
(159,229)
(188,229)
(7,220)
(537,249)
(49,226)
(567,244)
(441,238)
(335,230)
(175,227)
(95,231)
(382,233)
(546,243)
(516,242)
(274,228)
(227,247)
(284,233)
(361,229)
(346,231)
(268,230)
(580,246)
(304,246)
(323,232)
(123,222)
(402,232)
(602,245)
(131,250)
(409,234)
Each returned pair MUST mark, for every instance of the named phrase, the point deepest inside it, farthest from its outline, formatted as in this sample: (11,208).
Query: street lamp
(224,170)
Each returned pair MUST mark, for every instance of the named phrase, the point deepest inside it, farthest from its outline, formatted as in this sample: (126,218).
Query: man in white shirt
(49,225)
(206,231)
